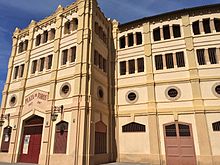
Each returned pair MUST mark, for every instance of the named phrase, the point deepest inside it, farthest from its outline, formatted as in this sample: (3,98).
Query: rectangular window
(38,39)
(217,24)
(64,56)
(212,55)
(49,64)
(96,58)
(206,25)
(16,72)
(195,26)
(131,64)
(169,60)
(45,36)
(180,59)
(140,63)
(130,39)
(52,33)
(67,28)
(156,34)
(122,42)
(122,67)
(139,38)
(100,61)
(20,47)
(166,32)
(73,54)
(42,61)
(25,45)
(176,31)
(104,65)
(21,70)
(200,56)
(34,66)
(158,62)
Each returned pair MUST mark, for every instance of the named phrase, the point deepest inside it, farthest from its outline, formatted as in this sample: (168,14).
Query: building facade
(83,89)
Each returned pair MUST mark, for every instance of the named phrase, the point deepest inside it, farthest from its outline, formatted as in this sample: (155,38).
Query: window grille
(133,127)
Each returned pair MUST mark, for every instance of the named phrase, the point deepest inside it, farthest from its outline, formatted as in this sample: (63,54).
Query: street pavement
(1,163)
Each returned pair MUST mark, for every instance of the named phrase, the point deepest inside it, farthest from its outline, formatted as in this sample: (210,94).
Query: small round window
(132,96)
(65,90)
(13,100)
(172,93)
(216,89)
(100,92)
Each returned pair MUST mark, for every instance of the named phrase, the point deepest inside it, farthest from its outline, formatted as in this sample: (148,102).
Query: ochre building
(82,89)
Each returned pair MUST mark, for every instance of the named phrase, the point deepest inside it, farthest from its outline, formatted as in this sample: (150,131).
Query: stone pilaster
(152,110)
(22,89)
(198,105)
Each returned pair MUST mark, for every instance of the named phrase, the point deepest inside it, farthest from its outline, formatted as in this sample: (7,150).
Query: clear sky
(19,13)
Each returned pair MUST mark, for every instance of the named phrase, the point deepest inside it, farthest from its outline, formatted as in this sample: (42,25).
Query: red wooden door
(31,143)
(179,144)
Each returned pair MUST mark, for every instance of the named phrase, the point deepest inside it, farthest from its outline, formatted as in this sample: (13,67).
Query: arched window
(61,134)
(216,126)
(67,27)
(133,127)
(100,138)
(6,139)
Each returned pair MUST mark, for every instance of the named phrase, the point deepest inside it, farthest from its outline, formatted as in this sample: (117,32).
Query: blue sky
(19,13)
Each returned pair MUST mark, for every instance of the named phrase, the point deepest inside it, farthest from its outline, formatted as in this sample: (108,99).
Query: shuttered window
(130,39)
(217,24)
(212,55)
(122,67)
(21,70)
(61,134)
(166,32)
(159,62)
(42,61)
(6,139)
(131,64)
(64,56)
(140,63)
(180,59)
(176,31)
(138,38)
(196,29)
(200,56)
(100,138)
(49,64)
(133,127)
(169,60)
(122,42)
(34,66)
(156,34)
(16,72)
(206,25)
(73,54)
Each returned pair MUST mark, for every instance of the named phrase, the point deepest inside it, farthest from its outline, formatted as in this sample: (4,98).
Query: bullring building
(82,89)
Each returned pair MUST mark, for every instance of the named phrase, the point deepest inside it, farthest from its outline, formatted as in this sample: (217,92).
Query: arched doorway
(179,144)
(31,140)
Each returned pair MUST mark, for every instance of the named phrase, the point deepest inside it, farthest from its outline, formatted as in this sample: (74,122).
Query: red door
(31,142)
(179,144)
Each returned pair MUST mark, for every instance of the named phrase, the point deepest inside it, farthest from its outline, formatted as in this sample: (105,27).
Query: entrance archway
(179,144)
(31,140)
